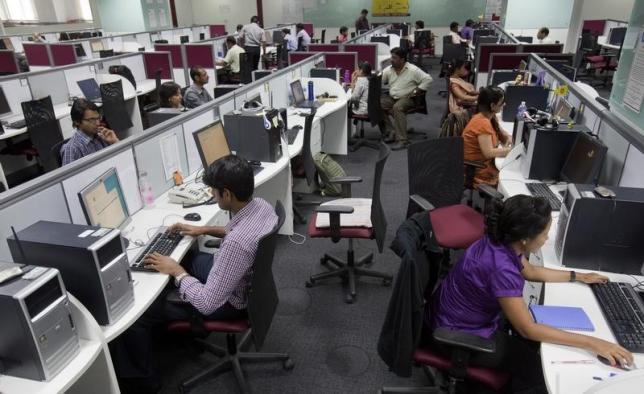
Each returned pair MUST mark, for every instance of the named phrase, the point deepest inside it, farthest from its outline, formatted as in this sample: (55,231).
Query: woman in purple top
(489,280)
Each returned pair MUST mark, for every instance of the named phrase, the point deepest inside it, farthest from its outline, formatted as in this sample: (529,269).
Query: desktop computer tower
(546,149)
(160,115)
(92,262)
(248,136)
(39,337)
(603,234)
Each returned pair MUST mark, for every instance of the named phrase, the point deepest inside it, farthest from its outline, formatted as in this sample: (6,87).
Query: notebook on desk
(562,317)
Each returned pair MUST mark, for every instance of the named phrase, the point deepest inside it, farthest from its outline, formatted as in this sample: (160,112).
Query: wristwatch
(573,276)
(178,278)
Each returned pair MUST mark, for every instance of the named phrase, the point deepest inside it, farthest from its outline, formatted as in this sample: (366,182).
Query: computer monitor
(564,110)
(80,51)
(184,39)
(202,36)
(221,90)
(103,202)
(585,160)
(331,73)
(382,39)
(106,53)
(96,45)
(478,40)
(5,108)
(527,39)
(256,97)
(211,143)
(616,36)
(278,36)
(259,74)
(90,89)
(297,91)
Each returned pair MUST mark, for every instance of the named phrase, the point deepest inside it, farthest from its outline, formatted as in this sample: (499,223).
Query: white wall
(45,10)
(597,9)
(184,12)
(228,12)
(525,18)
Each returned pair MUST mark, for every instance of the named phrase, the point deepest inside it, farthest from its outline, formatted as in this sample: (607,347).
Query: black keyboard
(542,190)
(624,312)
(18,124)
(162,243)
(291,135)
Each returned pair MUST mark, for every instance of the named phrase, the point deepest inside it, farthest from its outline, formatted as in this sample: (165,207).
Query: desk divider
(200,54)
(366,53)
(485,50)
(324,48)
(175,53)
(217,30)
(37,54)
(595,26)
(296,57)
(507,61)
(8,62)
(342,60)
(154,61)
(63,54)
(541,48)
(308,27)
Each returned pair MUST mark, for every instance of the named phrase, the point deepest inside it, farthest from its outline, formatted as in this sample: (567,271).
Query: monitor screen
(4,104)
(106,53)
(211,143)
(258,74)
(331,73)
(296,90)
(278,36)
(585,160)
(103,201)
(90,89)
(80,51)
(616,36)
(97,45)
(184,39)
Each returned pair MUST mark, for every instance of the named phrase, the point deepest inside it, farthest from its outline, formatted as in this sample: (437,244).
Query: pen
(573,362)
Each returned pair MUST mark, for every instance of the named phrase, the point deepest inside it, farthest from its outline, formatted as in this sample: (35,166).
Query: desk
(570,378)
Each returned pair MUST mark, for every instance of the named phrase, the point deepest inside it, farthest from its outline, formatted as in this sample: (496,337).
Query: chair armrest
(475,164)
(464,340)
(334,212)
(488,192)
(173,297)
(421,202)
(346,179)
(213,243)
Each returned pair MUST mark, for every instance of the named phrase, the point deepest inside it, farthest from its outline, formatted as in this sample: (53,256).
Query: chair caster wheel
(386,282)
(288,364)
(308,283)
(323,260)
(349,299)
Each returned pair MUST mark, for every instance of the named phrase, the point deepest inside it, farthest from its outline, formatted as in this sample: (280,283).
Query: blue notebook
(563,317)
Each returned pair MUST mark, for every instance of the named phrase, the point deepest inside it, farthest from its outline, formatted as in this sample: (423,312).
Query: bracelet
(179,278)
(573,276)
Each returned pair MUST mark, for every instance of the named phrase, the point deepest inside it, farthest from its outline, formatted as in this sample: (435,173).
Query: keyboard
(624,311)
(542,190)
(18,124)
(291,135)
(163,242)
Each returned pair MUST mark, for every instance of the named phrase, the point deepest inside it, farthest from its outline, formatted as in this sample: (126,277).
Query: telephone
(182,194)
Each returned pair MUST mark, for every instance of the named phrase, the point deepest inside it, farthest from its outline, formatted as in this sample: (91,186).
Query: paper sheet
(634,90)
(170,155)
(512,155)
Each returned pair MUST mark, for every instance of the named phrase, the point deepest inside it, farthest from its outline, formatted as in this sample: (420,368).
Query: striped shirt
(231,271)
(79,146)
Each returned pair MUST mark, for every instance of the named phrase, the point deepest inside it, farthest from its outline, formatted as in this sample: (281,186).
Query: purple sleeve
(507,281)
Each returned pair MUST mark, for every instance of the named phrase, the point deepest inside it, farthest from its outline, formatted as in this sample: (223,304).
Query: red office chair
(336,231)
(423,46)
(262,303)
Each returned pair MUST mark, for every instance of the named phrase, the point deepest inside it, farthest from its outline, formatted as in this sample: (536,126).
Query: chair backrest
(447,39)
(323,36)
(378,219)
(55,151)
(262,294)
(300,47)
(307,156)
(374,109)
(114,109)
(422,39)
(453,52)
(245,69)
(123,71)
(435,169)
(43,128)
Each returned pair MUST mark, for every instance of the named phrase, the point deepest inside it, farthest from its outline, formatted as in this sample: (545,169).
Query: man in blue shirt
(90,135)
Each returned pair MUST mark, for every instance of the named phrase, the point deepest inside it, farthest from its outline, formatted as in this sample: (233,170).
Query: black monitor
(397,32)
(259,74)
(202,36)
(103,201)
(211,143)
(297,91)
(4,104)
(478,40)
(222,89)
(80,51)
(184,39)
(106,53)
(331,73)
(278,36)
(616,36)
(527,39)
(482,32)
(383,39)
(585,160)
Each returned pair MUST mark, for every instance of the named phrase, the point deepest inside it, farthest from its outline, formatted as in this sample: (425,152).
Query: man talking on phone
(90,135)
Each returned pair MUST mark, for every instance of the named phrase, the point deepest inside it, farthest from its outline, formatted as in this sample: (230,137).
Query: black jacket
(420,259)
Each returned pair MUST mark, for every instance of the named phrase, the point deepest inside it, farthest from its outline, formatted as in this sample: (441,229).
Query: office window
(85,10)
(18,10)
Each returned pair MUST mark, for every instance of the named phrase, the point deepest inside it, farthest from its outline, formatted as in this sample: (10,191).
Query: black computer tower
(254,136)
(160,115)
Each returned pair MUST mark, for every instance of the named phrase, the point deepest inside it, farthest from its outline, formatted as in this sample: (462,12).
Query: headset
(252,107)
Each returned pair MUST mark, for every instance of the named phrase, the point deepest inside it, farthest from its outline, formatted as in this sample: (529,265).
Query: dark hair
(458,63)
(254,19)
(167,90)
(344,29)
(544,30)
(240,26)
(453,25)
(469,23)
(365,67)
(420,24)
(401,53)
(286,30)
(299,26)
(194,71)
(488,96)
(231,40)
(519,217)
(364,11)
(233,173)
(79,107)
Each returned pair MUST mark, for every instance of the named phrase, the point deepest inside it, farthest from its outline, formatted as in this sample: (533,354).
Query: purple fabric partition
(175,53)
(200,55)
(157,60)
(294,57)
(485,50)
(507,61)
(62,54)
(342,60)
(595,26)
(217,30)
(324,48)
(542,48)
(308,27)
(366,53)
(8,62)
(36,54)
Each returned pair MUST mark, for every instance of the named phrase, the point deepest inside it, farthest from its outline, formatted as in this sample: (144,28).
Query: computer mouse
(192,216)
(625,367)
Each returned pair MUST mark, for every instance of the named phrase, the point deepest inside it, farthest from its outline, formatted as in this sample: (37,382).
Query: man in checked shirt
(216,285)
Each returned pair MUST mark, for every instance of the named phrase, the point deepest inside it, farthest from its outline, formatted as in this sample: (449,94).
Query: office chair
(55,151)
(336,231)
(424,279)
(114,109)
(262,303)
(306,169)
(323,36)
(300,47)
(43,129)
(423,46)
(420,107)
(245,70)
(374,115)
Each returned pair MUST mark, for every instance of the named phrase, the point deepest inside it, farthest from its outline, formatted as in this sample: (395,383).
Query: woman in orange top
(482,135)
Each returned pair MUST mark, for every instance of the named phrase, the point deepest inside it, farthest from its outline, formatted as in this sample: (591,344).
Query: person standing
(253,36)
(362,23)
(302,34)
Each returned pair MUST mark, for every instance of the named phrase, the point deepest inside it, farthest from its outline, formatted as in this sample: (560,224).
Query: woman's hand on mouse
(614,353)
(187,229)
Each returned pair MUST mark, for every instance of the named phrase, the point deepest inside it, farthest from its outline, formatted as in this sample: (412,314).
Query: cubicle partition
(342,60)
(366,53)
(178,63)
(62,54)
(217,30)
(8,62)
(202,55)
(37,54)
(324,48)
(296,57)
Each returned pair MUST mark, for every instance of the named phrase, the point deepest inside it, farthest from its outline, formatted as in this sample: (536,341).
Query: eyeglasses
(92,120)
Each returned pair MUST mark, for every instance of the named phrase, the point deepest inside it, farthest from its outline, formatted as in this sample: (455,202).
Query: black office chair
(336,231)
(262,304)
(245,70)
(114,109)
(55,151)
(305,169)
(44,130)
(300,47)
(123,71)
(374,114)
(323,36)
(420,107)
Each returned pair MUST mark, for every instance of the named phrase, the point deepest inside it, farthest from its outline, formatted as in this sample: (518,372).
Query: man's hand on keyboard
(187,229)
(591,277)
(163,264)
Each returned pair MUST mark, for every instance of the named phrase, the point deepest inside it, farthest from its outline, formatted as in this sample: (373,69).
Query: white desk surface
(603,41)
(569,378)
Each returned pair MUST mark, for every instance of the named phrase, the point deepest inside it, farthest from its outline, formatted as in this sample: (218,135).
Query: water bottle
(311,95)
(521,110)
(347,77)
(147,197)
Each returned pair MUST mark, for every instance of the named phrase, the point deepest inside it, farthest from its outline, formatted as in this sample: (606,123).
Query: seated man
(232,57)
(306,39)
(196,95)
(404,81)
(90,135)
(216,285)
